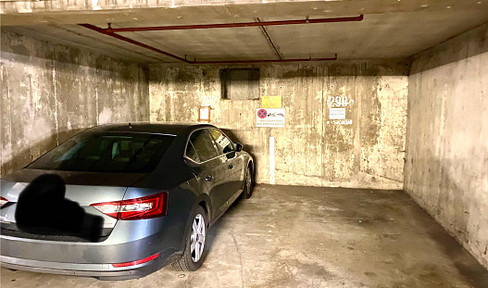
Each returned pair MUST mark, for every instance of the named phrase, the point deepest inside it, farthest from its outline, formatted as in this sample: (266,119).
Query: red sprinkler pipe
(128,40)
(113,33)
(235,25)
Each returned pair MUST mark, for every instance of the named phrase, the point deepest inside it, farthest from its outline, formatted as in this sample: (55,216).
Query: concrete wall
(446,170)
(50,92)
(310,150)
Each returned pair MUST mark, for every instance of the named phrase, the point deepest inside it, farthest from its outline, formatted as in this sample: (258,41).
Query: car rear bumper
(129,241)
(101,271)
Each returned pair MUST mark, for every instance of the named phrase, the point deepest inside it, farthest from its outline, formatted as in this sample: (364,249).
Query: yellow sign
(271,102)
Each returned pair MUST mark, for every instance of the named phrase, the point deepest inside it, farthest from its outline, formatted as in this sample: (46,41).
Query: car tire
(248,183)
(195,240)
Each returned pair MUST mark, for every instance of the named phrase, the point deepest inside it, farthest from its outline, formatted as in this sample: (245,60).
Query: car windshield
(108,152)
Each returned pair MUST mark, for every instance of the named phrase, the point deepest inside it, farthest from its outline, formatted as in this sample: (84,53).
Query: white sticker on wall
(337,113)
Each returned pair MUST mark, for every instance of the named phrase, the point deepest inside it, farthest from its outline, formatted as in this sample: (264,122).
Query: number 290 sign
(270,117)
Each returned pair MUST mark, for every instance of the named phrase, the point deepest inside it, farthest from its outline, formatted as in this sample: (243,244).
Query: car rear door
(209,167)
(232,167)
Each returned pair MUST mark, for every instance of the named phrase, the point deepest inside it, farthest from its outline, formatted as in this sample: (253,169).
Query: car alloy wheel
(247,184)
(248,179)
(198,234)
(194,252)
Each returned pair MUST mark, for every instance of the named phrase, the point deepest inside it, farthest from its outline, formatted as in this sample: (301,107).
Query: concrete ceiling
(390,29)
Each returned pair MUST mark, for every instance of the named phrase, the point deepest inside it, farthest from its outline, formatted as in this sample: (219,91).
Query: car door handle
(208,178)
(231,166)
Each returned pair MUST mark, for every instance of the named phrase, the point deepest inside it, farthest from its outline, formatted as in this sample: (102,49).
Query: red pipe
(112,32)
(140,44)
(234,25)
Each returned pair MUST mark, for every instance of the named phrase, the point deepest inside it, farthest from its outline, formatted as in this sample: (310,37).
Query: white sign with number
(337,113)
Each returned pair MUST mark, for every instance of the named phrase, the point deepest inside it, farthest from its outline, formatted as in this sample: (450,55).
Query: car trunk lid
(80,190)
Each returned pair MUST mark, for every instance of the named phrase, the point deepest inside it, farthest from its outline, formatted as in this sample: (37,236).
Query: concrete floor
(312,237)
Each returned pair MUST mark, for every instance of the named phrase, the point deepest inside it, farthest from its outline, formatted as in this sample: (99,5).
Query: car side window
(203,145)
(223,142)
(191,152)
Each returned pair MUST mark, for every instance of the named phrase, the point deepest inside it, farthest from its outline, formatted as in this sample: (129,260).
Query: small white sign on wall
(337,113)
(204,114)
(270,117)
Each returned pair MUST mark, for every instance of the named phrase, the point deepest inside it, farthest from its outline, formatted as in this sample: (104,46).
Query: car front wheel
(248,183)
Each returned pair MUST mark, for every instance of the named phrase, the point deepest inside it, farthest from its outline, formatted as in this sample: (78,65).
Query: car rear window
(109,152)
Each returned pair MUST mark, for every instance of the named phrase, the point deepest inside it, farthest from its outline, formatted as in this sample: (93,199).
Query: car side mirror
(238,146)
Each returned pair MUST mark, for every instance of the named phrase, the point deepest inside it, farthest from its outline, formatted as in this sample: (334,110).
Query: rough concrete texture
(101,9)
(287,236)
(446,169)
(390,29)
(310,150)
(50,92)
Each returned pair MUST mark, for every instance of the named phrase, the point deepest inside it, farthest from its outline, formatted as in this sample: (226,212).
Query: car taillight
(3,201)
(137,262)
(138,208)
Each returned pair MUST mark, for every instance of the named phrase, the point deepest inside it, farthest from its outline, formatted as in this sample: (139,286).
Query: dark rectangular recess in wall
(240,84)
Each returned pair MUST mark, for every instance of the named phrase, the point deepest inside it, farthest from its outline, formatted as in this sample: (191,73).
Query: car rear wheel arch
(199,202)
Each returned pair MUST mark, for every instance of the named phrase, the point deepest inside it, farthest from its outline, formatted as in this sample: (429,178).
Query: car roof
(148,127)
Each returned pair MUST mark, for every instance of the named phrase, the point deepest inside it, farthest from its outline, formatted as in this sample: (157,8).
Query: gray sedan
(121,201)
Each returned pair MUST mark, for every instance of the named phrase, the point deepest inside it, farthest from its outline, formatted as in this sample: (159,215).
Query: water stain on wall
(447,150)
(51,92)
